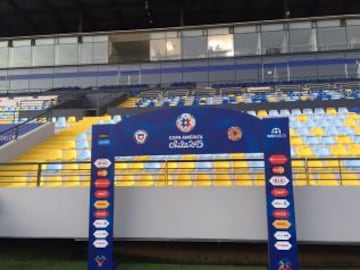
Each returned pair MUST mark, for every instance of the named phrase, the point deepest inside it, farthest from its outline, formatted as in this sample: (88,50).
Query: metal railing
(212,172)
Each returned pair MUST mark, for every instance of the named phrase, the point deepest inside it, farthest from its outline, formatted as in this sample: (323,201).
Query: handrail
(178,172)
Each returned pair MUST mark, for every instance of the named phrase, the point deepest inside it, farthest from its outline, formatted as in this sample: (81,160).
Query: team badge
(140,136)
(100,260)
(234,134)
(185,122)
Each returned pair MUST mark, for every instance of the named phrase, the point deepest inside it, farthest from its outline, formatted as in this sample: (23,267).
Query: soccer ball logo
(140,136)
(185,122)
(234,134)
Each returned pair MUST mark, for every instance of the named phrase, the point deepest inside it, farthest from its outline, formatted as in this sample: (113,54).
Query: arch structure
(194,130)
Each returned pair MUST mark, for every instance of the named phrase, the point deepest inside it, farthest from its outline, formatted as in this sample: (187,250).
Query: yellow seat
(339,150)
(296,140)
(51,181)
(124,180)
(202,180)
(69,155)
(300,179)
(181,180)
(242,178)
(259,179)
(223,180)
(350,179)
(317,131)
(71,119)
(343,139)
(331,111)
(328,179)
(292,132)
(351,123)
(302,117)
(145,180)
(222,166)
(262,114)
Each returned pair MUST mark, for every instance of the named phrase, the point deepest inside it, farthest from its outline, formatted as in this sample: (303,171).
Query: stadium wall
(324,214)
(265,68)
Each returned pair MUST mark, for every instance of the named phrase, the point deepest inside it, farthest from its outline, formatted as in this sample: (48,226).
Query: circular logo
(185,122)
(140,136)
(234,134)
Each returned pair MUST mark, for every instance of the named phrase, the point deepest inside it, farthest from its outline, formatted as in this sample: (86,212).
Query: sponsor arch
(194,130)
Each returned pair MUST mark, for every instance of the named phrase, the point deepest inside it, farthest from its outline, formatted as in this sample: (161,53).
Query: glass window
(4,54)
(274,42)
(20,53)
(331,38)
(302,40)
(44,52)
(165,49)
(247,44)
(67,51)
(353,35)
(194,47)
(221,46)
(101,52)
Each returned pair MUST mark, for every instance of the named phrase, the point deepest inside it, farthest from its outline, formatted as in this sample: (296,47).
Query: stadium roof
(39,17)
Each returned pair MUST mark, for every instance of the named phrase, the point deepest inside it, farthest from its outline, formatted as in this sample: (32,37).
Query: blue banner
(189,130)
(282,244)
(100,243)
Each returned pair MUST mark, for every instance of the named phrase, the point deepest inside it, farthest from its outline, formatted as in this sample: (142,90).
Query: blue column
(100,245)
(282,244)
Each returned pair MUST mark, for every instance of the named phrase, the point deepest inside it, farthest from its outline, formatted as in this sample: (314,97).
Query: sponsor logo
(102,173)
(185,122)
(279,192)
(101,223)
(102,183)
(101,194)
(103,142)
(281,224)
(100,260)
(278,159)
(234,134)
(101,234)
(102,163)
(140,136)
(278,170)
(276,133)
(280,203)
(284,264)
(281,213)
(101,213)
(279,180)
(103,204)
(283,245)
(100,243)
(282,235)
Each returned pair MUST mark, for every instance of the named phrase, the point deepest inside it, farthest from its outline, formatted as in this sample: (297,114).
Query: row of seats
(236,98)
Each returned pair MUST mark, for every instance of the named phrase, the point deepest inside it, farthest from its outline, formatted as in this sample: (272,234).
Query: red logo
(101,194)
(278,170)
(279,192)
(102,173)
(102,183)
(101,214)
(278,159)
(281,213)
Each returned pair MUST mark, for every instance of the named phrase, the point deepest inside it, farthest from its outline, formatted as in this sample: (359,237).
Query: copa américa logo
(140,136)
(185,122)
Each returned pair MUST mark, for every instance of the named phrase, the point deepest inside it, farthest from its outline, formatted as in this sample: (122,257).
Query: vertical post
(282,244)
(100,242)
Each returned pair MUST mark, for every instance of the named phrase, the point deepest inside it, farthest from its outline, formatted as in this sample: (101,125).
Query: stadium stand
(320,138)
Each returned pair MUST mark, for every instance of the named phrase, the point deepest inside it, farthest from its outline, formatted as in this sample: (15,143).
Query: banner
(100,244)
(282,244)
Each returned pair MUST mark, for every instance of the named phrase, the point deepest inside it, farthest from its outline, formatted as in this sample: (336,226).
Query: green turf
(76,265)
